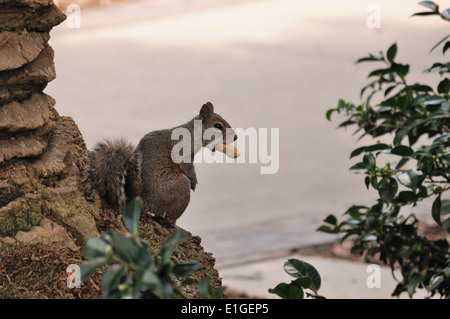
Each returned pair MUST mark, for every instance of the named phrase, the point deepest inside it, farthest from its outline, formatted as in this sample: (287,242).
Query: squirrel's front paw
(193,184)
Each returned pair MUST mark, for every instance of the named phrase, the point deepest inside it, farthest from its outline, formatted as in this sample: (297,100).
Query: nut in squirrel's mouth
(228,149)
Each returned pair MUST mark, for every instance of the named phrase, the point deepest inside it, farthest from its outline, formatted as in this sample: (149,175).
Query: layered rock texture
(44,217)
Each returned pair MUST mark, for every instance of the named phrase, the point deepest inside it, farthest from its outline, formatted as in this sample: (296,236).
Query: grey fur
(106,169)
(119,172)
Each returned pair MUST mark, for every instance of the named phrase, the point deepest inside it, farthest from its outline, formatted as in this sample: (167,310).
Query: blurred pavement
(341,279)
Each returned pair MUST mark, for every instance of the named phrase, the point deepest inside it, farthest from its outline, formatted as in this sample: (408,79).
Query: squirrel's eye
(218,126)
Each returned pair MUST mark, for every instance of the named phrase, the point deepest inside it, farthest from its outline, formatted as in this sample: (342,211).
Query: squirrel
(119,172)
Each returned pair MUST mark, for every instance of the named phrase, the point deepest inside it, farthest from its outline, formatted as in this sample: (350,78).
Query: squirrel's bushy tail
(109,167)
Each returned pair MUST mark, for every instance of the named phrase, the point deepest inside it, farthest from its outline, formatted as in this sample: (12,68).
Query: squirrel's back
(110,169)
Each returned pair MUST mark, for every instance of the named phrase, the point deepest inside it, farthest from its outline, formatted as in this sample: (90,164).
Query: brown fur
(120,172)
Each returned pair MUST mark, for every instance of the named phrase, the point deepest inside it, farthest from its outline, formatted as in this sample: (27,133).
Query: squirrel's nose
(235,137)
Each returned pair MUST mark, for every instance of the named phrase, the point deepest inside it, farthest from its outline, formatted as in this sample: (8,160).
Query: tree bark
(45,218)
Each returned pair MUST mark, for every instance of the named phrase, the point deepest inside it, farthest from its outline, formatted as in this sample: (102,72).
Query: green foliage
(402,172)
(306,277)
(133,272)
(206,291)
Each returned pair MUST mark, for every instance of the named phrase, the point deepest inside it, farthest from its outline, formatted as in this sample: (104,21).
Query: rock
(7,241)
(47,232)
(17,216)
(19,48)
(39,17)
(30,114)
(32,77)
(33,4)
(45,218)
(25,144)
(51,162)
(66,204)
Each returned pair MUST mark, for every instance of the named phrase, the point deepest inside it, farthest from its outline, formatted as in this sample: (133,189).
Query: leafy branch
(405,111)
(306,277)
(132,272)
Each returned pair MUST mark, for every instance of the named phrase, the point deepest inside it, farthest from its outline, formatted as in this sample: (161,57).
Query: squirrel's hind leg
(169,199)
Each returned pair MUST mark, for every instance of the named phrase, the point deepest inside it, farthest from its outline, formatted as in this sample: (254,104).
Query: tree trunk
(44,217)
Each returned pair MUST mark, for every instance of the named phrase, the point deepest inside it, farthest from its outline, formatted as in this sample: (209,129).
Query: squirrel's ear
(207,110)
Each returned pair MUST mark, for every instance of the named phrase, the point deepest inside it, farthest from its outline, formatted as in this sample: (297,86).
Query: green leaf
(132,214)
(377,56)
(374,183)
(341,104)
(304,282)
(370,148)
(387,189)
(167,248)
(346,123)
(326,229)
(442,139)
(436,283)
(391,52)
(186,268)
(445,14)
(445,207)
(88,268)
(444,85)
(167,290)
(446,271)
(379,72)
(407,196)
(436,209)
(422,192)
(369,59)
(434,100)
(94,248)
(446,47)
(402,150)
(127,249)
(298,269)
(331,219)
(422,88)
(315,296)
(409,179)
(413,282)
(402,162)
(367,181)
(369,161)
(354,211)
(148,279)
(329,113)
(358,168)
(376,147)
(384,109)
(399,135)
(425,13)
(358,151)
(429,4)
(438,67)
(112,278)
(287,291)
(401,69)
(389,89)
(205,289)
